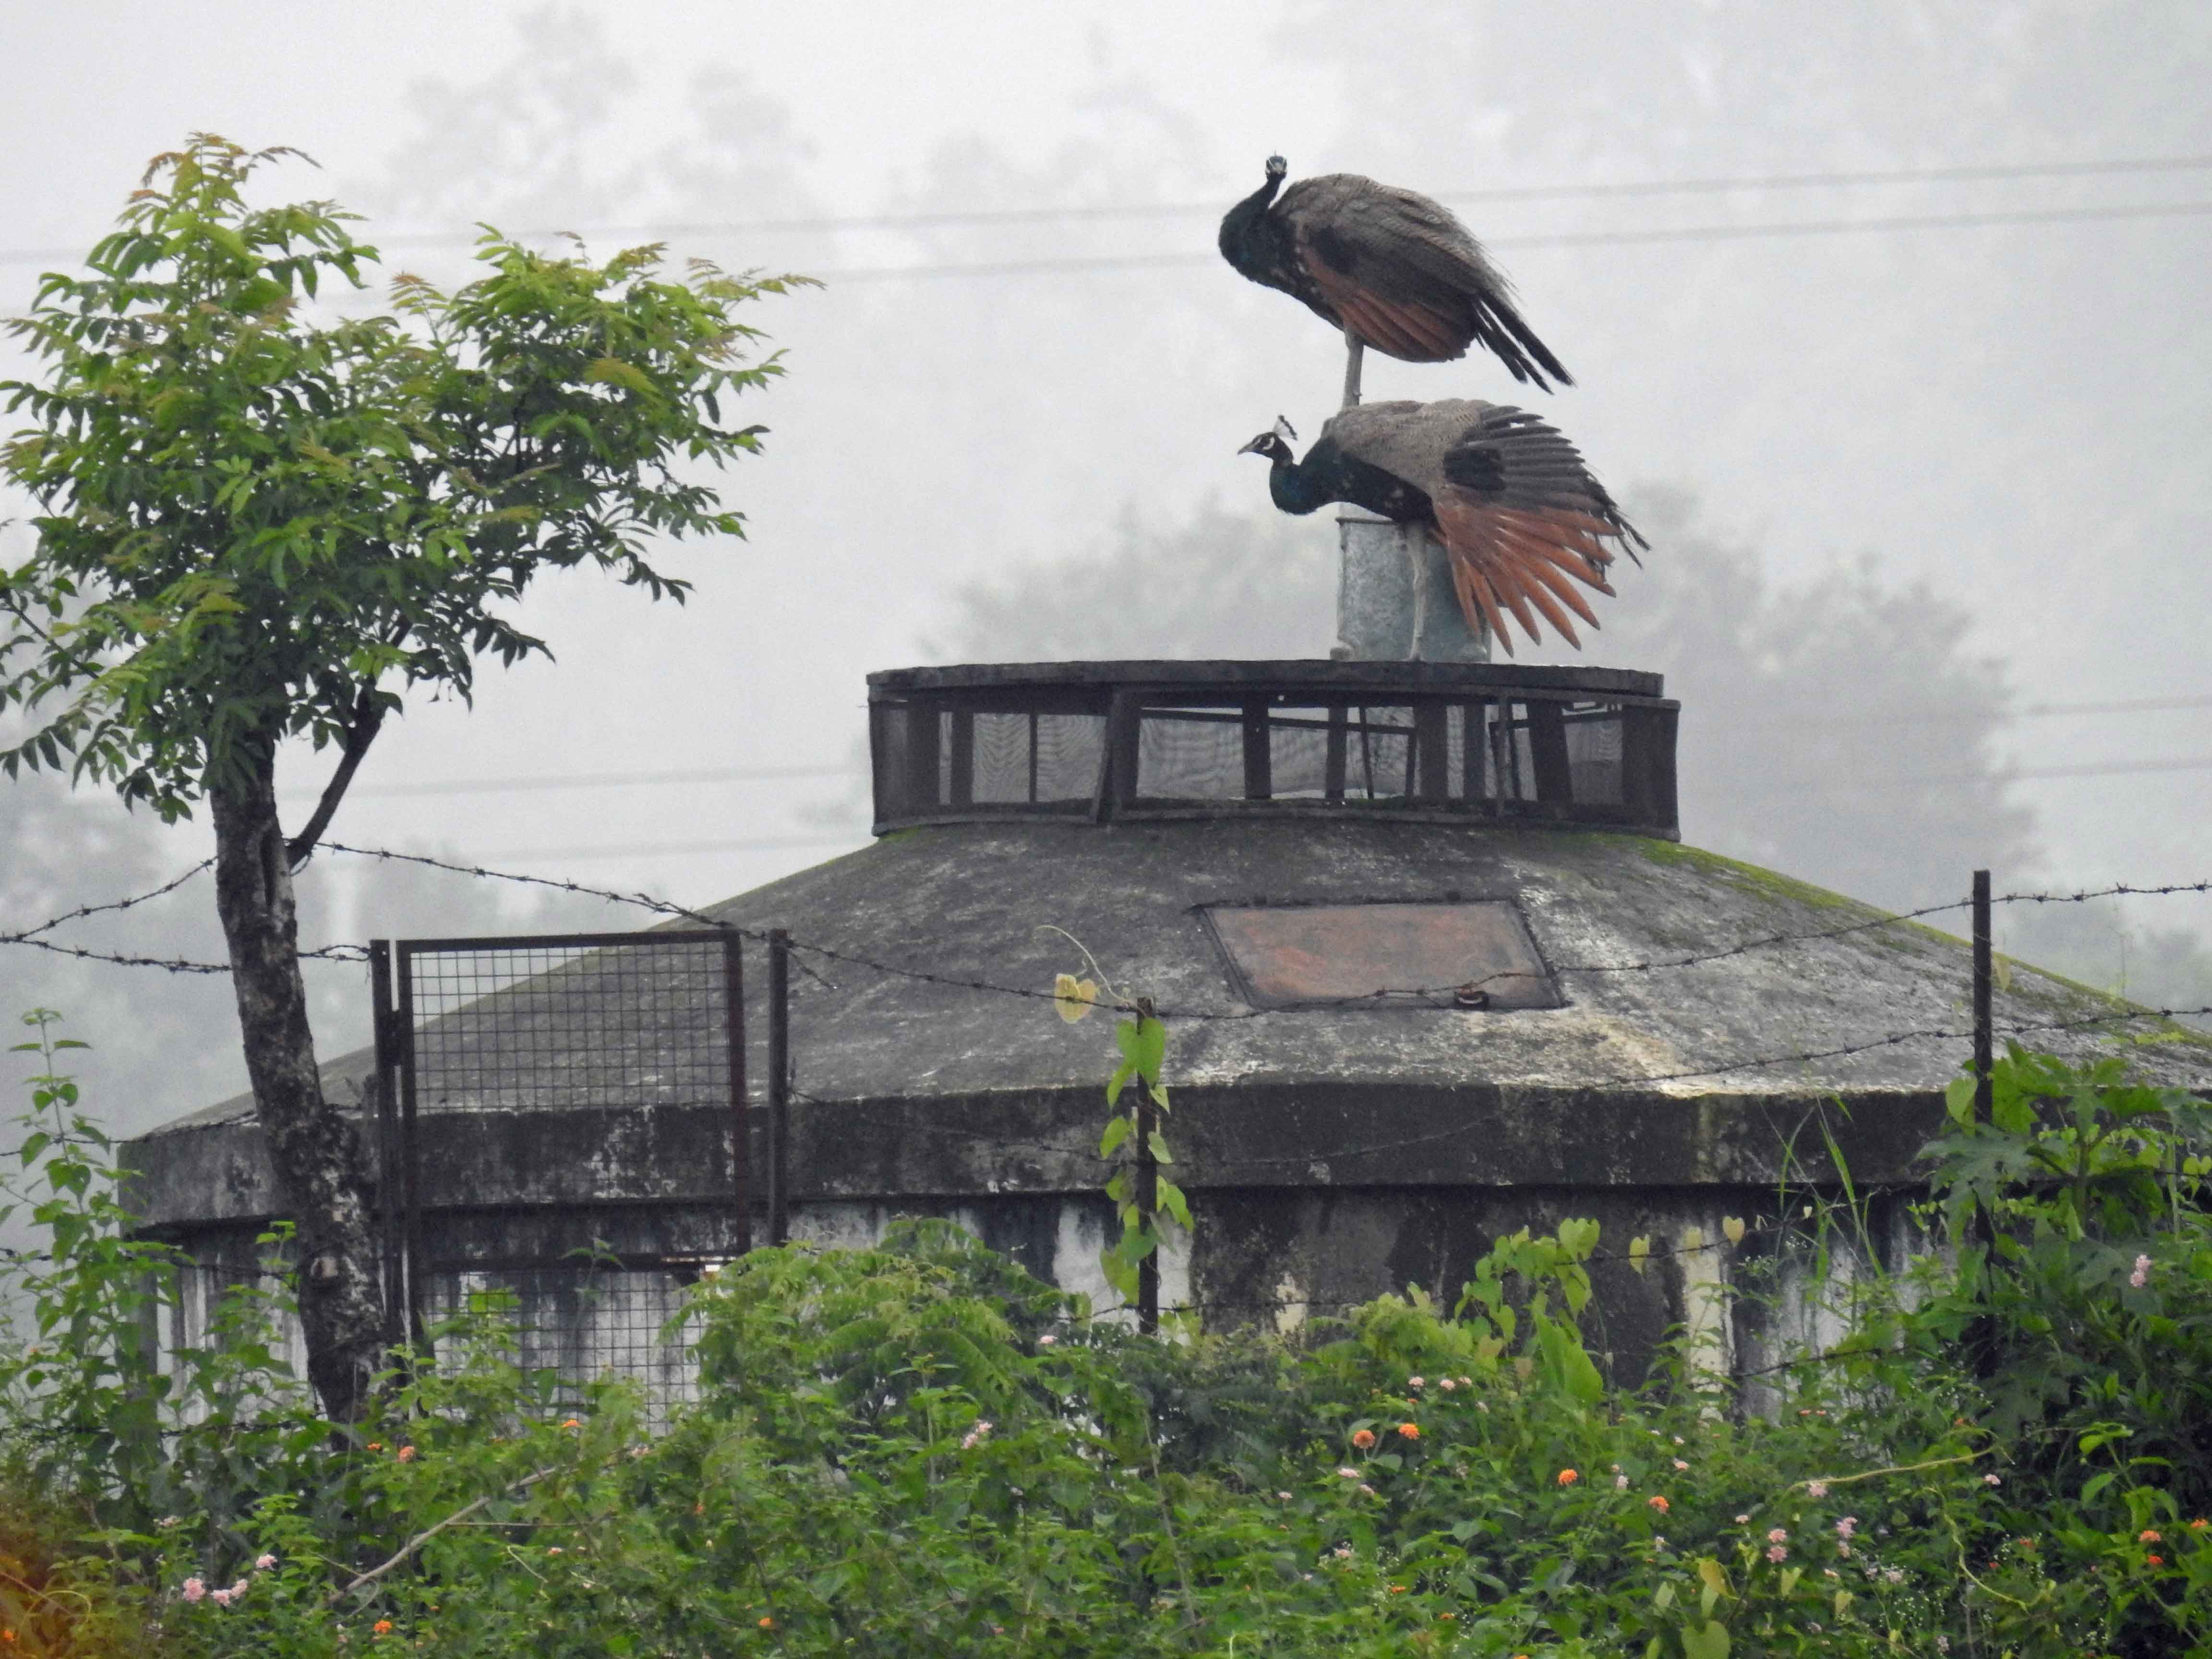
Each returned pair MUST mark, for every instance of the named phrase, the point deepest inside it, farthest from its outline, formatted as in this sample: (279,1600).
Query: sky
(2013,414)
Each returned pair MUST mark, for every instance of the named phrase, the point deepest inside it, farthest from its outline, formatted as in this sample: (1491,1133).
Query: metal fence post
(741,1151)
(390,1157)
(1985,1035)
(1148,1197)
(779,1086)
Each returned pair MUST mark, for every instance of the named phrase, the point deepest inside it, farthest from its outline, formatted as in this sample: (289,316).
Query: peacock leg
(1414,539)
(1354,354)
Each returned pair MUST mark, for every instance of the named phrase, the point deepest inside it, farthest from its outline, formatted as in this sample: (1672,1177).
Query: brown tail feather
(1564,561)
(1543,571)
(1541,598)
(1474,595)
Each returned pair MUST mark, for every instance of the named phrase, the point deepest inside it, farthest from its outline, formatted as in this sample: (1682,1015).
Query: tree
(254,524)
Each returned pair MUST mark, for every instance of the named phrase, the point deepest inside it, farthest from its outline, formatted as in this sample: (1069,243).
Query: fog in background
(1917,495)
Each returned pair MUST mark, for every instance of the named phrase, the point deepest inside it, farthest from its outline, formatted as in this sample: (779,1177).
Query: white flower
(1349,1473)
(1991,1481)
(1415,1382)
(1680,1464)
(2141,1272)
(1620,1483)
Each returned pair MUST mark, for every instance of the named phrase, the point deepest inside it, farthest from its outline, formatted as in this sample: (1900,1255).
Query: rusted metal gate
(592,1022)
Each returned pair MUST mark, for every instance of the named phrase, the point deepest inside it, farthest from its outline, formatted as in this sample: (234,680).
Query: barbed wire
(82,911)
(1459,994)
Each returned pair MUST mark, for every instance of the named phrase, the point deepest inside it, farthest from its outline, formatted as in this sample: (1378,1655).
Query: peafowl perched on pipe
(1392,268)
(1521,518)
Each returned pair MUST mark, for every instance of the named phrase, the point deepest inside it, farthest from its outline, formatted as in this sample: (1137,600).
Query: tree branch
(429,1533)
(368,716)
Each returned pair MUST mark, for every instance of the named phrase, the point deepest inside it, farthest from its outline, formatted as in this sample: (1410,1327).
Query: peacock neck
(1249,237)
(1296,489)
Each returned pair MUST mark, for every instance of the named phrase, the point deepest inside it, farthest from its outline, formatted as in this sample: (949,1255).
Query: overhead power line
(950,218)
(1080,264)
(587,781)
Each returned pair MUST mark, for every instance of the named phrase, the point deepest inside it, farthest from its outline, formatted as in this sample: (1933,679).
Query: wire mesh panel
(578,1029)
(567,1022)
(1110,739)
(584,1323)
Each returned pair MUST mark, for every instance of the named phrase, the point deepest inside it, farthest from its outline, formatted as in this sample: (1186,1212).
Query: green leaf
(1156,1145)
(1119,1081)
(1176,1204)
(1707,1641)
(1118,1129)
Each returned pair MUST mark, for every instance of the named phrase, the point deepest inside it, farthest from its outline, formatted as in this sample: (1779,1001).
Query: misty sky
(2015,416)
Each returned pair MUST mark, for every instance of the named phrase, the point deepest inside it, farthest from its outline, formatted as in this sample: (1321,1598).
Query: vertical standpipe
(1395,601)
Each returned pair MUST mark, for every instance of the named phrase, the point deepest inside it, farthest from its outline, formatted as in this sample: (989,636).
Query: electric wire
(945,218)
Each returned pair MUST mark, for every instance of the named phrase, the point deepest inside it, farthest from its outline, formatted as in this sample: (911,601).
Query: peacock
(1392,268)
(1521,518)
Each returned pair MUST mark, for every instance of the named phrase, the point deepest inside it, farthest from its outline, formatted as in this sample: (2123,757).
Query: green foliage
(917,1447)
(1142,1041)
(250,520)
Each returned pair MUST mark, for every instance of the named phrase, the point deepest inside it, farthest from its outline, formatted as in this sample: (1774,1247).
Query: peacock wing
(1407,276)
(1407,439)
(1524,522)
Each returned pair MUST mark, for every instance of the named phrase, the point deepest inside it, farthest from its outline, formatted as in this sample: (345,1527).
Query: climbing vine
(1133,1140)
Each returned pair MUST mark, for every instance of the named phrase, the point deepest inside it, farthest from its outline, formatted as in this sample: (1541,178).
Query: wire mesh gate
(549,1023)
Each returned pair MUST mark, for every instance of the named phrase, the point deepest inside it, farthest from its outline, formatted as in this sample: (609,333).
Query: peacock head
(1277,167)
(1274,443)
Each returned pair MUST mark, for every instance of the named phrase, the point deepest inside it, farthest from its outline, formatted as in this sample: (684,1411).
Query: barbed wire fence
(788,954)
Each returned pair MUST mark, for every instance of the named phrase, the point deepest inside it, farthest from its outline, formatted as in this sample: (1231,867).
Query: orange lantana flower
(1363,1439)
(1568,1477)
(1410,1430)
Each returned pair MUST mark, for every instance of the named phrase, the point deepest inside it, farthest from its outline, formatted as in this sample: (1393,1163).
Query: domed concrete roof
(930,1074)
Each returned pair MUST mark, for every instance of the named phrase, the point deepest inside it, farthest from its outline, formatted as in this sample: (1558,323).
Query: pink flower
(1447,1384)
(263,1562)
(1816,1489)
(1847,1526)
(1991,1481)
(1743,1520)
(1047,1339)
(195,1588)
(1680,1464)
(2141,1272)
(1415,1382)
(221,1598)
(1349,1473)
(1779,1536)
(238,1589)
(1776,1552)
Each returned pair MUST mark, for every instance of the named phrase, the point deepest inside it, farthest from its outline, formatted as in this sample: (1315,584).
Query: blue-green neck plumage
(1295,489)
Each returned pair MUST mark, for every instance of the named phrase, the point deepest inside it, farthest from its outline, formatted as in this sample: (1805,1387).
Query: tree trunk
(316,1154)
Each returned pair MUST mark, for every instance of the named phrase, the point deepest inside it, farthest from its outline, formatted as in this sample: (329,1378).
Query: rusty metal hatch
(1474,954)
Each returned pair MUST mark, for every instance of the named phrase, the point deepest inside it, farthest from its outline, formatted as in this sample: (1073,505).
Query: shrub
(917,1447)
